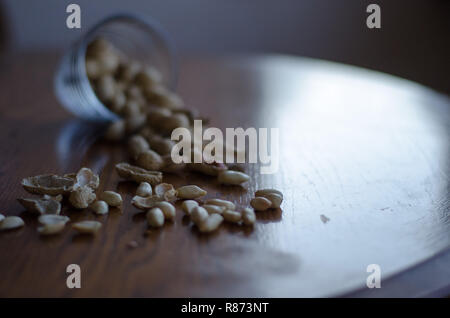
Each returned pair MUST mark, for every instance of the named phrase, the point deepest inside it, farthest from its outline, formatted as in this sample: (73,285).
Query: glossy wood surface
(368,151)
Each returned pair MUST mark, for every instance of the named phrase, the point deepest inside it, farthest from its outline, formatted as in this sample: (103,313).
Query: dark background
(413,41)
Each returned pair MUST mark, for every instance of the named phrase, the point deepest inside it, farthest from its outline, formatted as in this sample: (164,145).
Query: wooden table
(368,151)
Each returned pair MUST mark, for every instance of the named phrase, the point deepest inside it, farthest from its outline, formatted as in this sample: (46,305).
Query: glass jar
(137,37)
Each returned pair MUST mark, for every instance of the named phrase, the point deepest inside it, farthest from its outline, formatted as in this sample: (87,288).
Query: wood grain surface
(367,151)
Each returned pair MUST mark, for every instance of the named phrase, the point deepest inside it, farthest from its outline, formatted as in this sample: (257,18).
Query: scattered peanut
(232,216)
(198,215)
(232,177)
(167,209)
(144,189)
(11,222)
(87,227)
(53,219)
(211,223)
(274,196)
(149,160)
(248,216)
(260,203)
(100,207)
(188,206)
(227,204)
(190,192)
(262,192)
(214,208)
(50,229)
(155,217)
(111,198)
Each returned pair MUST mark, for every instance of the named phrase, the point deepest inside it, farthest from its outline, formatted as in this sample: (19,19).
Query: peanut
(92,68)
(214,209)
(148,77)
(134,123)
(260,203)
(262,192)
(211,223)
(111,198)
(118,102)
(11,222)
(161,145)
(232,216)
(190,192)
(50,229)
(155,217)
(144,189)
(87,227)
(198,215)
(52,224)
(188,206)
(227,204)
(100,207)
(248,216)
(167,209)
(232,177)
(106,88)
(52,219)
(274,196)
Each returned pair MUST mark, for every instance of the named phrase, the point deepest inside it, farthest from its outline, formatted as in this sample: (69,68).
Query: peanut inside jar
(133,91)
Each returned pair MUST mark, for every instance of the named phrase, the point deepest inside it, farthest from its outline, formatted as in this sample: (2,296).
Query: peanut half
(248,216)
(225,203)
(87,227)
(260,203)
(274,196)
(188,206)
(190,192)
(232,216)
(100,207)
(52,224)
(231,177)
(155,217)
(144,189)
(198,215)
(167,209)
(211,223)
(214,208)
(111,198)
(11,222)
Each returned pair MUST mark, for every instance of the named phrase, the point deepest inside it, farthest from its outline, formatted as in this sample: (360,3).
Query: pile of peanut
(148,113)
